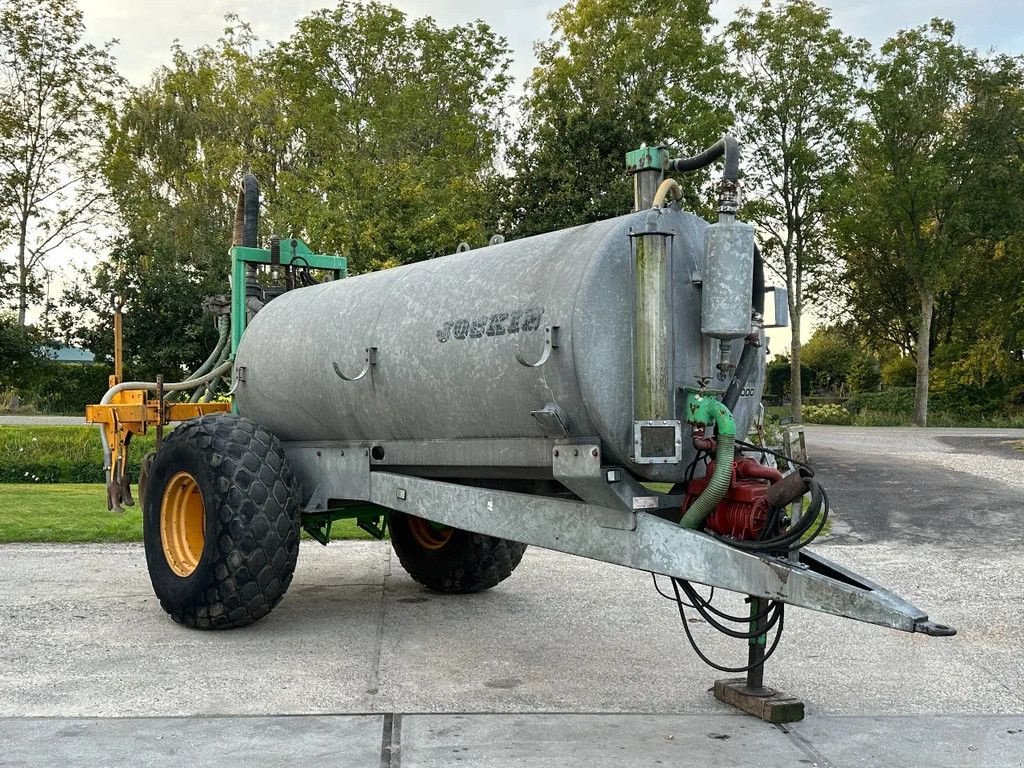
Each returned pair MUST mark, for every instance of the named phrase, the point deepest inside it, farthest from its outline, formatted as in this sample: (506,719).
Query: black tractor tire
(451,560)
(220,522)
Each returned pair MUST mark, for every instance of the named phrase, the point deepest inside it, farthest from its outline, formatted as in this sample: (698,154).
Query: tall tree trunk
(22,271)
(924,333)
(796,394)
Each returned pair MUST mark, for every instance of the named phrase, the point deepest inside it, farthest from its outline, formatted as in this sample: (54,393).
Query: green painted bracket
(370,517)
(293,252)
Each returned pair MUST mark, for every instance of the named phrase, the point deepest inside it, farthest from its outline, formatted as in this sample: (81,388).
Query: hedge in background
(893,407)
(60,454)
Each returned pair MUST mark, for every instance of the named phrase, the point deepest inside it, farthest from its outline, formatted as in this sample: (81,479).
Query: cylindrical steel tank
(447,332)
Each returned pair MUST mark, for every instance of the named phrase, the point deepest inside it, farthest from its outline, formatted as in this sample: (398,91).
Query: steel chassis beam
(648,543)
(616,522)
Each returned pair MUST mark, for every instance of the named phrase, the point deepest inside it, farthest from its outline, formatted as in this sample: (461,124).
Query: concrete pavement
(517,741)
(14,420)
(568,663)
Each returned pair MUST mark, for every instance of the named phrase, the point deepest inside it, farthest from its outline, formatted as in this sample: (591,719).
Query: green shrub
(68,389)
(60,454)
(777,376)
(863,375)
(895,401)
(826,414)
(899,372)
(895,407)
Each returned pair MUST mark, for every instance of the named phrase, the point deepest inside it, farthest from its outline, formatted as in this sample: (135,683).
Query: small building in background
(69,355)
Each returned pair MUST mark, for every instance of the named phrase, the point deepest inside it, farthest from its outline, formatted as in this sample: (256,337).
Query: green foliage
(798,77)
(56,91)
(827,414)
(934,209)
(863,374)
(372,135)
(895,407)
(19,350)
(59,454)
(388,164)
(159,295)
(900,372)
(68,389)
(614,74)
(778,377)
(830,354)
(178,146)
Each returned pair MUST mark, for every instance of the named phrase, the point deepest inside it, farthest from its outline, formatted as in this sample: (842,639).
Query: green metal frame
(292,251)
(370,517)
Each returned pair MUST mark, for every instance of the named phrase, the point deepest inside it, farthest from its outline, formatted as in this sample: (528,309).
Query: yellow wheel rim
(182,523)
(428,535)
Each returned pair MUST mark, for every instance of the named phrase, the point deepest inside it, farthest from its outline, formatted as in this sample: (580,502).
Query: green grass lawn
(72,512)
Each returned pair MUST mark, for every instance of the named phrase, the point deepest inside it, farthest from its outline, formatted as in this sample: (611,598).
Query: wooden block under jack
(767,704)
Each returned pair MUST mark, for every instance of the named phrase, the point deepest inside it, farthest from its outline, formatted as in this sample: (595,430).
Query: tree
(372,135)
(19,352)
(394,125)
(798,80)
(166,330)
(907,224)
(830,354)
(55,96)
(615,74)
(179,146)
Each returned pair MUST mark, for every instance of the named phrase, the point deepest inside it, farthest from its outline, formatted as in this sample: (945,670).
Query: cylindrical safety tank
(447,332)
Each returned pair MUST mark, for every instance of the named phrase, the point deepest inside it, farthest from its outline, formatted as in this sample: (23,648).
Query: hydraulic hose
(150,386)
(209,387)
(668,186)
(748,358)
(216,357)
(707,410)
(727,145)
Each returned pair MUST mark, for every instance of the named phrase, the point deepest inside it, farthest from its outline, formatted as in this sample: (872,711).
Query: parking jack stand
(750,693)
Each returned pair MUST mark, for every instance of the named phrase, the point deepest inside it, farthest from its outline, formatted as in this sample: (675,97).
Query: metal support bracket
(578,467)
(328,472)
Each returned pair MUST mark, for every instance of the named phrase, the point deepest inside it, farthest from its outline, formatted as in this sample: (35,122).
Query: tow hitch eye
(932,629)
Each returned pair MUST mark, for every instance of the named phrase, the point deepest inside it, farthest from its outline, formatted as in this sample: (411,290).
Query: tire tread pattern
(256,501)
(469,562)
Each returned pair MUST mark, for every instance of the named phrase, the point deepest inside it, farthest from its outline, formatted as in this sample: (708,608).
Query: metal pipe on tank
(652,340)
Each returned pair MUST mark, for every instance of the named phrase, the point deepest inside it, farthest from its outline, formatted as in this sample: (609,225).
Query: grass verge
(60,454)
(77,513)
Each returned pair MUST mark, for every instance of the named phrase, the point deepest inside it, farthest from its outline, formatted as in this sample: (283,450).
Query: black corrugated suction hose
(748,358)
(727,145)
(251,206)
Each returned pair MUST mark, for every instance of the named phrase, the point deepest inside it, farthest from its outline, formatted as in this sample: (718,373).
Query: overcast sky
(146,28)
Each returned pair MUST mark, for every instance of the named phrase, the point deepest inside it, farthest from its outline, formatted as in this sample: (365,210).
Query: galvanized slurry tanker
(518,394)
